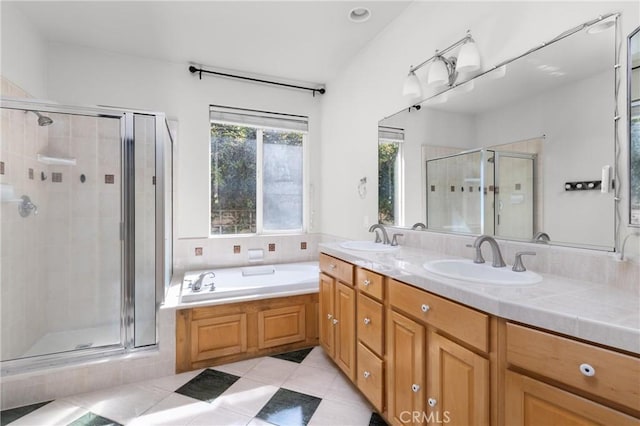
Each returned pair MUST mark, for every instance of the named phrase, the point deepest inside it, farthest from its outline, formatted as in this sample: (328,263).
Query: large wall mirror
(633,50)
(519,152)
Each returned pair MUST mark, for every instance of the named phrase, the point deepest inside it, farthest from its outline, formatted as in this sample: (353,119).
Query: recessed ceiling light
(359,14)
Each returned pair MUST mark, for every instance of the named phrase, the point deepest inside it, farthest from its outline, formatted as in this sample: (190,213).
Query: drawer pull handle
(367,321)
(366,374)
(425,307)
(329,316)
(415,387)
(366,283)
(432,402)
(587,370)
(335,321)
(332,266)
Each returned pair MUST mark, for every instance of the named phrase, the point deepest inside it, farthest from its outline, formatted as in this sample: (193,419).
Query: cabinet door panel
(219,336)
(345,329)
(281,326)
(370,323)
(458,383)
(405,370)
(326,314)
(533,403)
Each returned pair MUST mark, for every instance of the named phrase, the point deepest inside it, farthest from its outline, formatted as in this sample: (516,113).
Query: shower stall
(85,231)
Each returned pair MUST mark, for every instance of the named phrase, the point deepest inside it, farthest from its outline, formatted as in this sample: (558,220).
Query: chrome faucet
(418,225)
(385,236)
(498,261)
(197,285)
(541,238)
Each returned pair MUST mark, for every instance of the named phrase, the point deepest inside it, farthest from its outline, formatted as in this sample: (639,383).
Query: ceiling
(308,41)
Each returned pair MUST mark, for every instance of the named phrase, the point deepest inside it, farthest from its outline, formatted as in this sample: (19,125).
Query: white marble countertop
(593,312)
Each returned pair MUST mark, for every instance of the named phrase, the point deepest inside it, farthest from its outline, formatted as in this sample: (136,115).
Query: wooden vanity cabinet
(454,345)
(558,380)
(337,313)
(370,377)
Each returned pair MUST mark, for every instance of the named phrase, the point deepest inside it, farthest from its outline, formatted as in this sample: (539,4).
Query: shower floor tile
(297,388)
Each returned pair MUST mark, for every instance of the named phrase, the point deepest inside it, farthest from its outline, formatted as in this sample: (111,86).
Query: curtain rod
(194,70)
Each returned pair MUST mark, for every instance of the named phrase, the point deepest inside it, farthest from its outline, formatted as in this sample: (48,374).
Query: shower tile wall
(23,288)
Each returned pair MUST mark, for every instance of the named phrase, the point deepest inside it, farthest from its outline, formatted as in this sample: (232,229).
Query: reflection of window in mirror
(634,124)
(390,175)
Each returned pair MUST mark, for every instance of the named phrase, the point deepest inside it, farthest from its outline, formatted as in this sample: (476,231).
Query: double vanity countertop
(593,312)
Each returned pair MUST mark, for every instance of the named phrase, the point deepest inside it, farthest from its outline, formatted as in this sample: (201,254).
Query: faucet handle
(518,266)
(478,258)
(394,240)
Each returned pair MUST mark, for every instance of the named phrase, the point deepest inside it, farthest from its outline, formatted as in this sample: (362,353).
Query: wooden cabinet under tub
(214,335)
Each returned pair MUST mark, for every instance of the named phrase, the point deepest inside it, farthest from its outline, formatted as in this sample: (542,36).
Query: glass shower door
(514,198)
(60,232)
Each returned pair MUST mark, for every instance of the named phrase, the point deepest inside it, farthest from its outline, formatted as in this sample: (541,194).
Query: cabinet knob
(335,321)
(332,266)
(367,321)
(366,283)
(587,370)
(432,402)
(366,374)
(329,316)
(415,387)
(424,307)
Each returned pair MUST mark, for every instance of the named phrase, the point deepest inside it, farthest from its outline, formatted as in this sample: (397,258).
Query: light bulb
(438,73)
(468,58)
(412,86)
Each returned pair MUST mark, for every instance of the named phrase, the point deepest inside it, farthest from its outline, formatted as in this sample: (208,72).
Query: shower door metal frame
(127,234)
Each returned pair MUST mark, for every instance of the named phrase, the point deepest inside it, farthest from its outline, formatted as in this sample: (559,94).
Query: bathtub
(252,282)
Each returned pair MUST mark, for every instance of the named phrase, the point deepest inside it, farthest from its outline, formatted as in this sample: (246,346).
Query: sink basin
(368,246)
(466,270)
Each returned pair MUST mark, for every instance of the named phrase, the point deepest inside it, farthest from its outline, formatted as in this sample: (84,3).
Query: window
(390,141)
(257,173)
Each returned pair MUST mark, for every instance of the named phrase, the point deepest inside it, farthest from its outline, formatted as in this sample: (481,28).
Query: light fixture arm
(460,42)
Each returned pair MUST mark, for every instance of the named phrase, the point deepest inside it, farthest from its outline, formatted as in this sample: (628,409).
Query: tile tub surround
(220,252)
(232,394)
(583,309)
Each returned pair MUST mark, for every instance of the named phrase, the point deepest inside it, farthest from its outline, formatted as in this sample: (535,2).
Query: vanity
(424,348)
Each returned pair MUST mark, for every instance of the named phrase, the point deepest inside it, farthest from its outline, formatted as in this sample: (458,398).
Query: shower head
(43,120)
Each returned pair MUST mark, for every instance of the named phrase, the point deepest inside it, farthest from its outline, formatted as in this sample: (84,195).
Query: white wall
(82,76)
(23,53)
(370,86)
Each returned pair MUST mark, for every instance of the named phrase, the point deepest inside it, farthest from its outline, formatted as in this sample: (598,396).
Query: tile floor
(296,388)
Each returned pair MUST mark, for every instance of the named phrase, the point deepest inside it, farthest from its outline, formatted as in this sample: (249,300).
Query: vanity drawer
(461,322)
(370,323)
(370,377)
(370,283)
(608,374)
(337,268)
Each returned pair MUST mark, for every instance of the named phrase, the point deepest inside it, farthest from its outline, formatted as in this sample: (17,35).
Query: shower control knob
(367,321)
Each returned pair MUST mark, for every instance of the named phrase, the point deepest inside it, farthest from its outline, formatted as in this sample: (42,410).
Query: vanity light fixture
(444,70)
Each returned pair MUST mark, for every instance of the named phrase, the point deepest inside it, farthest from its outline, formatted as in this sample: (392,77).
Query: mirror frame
(616,143)
(634,33)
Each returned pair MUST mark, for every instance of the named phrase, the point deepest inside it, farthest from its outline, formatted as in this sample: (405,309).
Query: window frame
(259,178)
